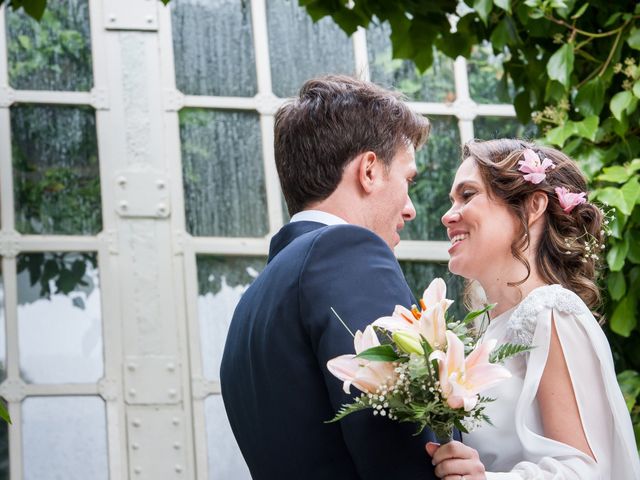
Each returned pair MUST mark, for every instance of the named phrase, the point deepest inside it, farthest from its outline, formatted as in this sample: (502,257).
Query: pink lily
(366,375)
(461,380)
(568,200)
(535,170)
(428,322)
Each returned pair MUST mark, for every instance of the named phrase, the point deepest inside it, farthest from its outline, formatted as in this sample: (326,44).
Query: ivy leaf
(587,128)
(559,135)
(4,413)
(631,193)
(617,254)
(619,103)
(633,255)
(560,64)
(613,196)
(634,38)
(624,320)
(580,12)
(629,382)
(616,174)
(616,285)
(35,8)
(504,5)
(483,8)
(590,98)
(636,89)
(504,34)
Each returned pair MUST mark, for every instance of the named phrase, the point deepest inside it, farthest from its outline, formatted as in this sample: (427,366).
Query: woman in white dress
(521,227)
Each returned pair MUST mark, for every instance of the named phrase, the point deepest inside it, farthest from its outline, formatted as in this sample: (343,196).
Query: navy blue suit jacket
(275,384)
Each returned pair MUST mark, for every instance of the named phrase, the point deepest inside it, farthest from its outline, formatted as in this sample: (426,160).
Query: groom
(345,153)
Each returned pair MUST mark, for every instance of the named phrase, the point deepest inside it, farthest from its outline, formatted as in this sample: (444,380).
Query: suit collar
(288,234)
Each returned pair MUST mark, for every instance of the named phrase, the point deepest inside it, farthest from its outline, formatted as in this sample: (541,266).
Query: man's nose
(409,211)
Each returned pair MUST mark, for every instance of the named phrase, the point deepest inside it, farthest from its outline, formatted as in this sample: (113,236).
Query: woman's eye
(467,194)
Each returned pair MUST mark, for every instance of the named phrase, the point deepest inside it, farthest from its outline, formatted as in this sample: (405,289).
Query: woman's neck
(505,296)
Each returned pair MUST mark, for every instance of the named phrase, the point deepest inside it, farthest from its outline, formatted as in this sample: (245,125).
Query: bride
(521,227)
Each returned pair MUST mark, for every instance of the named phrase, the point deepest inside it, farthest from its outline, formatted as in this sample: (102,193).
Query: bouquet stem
(443,436)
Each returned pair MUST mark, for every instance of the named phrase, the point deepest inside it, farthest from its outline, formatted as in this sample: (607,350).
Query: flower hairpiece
(569,200)
(535,171)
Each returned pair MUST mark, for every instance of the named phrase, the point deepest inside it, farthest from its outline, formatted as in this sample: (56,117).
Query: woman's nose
(451,216)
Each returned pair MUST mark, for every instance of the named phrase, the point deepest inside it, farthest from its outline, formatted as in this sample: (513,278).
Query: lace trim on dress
(522,324)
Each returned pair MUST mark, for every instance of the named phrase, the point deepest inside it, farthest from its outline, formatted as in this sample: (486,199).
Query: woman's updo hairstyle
(570,246)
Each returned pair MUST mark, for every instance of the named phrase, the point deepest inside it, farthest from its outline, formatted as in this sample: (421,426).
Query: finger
(452,449)
(455,467)
(431,448)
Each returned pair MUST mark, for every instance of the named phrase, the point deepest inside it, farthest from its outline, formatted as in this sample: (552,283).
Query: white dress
(515,448)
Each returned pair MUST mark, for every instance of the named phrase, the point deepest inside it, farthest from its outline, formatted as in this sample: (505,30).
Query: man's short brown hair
(334,119)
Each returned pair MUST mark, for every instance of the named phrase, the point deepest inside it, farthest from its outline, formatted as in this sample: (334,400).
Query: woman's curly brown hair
(565,254)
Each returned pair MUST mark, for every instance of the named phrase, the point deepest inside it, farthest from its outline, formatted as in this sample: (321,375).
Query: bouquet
(429,368)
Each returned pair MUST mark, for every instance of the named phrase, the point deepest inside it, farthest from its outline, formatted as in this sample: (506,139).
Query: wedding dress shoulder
(515,447)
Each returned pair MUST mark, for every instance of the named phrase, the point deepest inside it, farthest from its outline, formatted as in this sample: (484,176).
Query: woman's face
(481,228)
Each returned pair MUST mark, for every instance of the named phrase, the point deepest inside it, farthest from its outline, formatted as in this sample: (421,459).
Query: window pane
(59,318)
(223,173)
(53,54)
(486,76)
(56,173)
(437,163)
(64,437)
(435,85)
(221,283)
(489,128)
(223,454)
(213,47)
(420,274)
(301,49)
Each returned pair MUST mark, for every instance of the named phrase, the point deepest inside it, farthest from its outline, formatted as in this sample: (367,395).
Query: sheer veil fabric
(515,448)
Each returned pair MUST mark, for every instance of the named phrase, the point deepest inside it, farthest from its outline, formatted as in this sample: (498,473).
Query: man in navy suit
(345,153)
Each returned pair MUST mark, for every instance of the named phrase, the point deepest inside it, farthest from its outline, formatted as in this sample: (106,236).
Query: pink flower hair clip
(535,171)
(568,200)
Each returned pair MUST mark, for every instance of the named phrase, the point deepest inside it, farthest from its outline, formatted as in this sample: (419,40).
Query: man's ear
(536,206)
(368,170)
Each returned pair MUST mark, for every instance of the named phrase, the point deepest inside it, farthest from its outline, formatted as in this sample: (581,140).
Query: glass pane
(486,76)
(435,85)
(223,454)
(53,54)
(489,128)
(420,274)
(3,344)
(437,163)
(59,318)
(64,437)
(56,172)
(213,47)
(301,49)
(223,173)
(221,283)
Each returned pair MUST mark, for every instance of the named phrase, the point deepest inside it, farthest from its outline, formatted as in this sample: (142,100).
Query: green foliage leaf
(503,4)
(631,193)
(629,382)
(483,8)
(580,12)
(617,255)
(506,350)
(617,285)
(614,197)
(590,97)
(617,174)
(476,313)
(619,103)
(636,89)
(35,8)
(560,64)
(381,353)
(4,413)
(634,38)
(624,320)
(587,128)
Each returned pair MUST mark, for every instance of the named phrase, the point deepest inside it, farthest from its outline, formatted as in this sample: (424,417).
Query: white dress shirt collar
(317,216)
